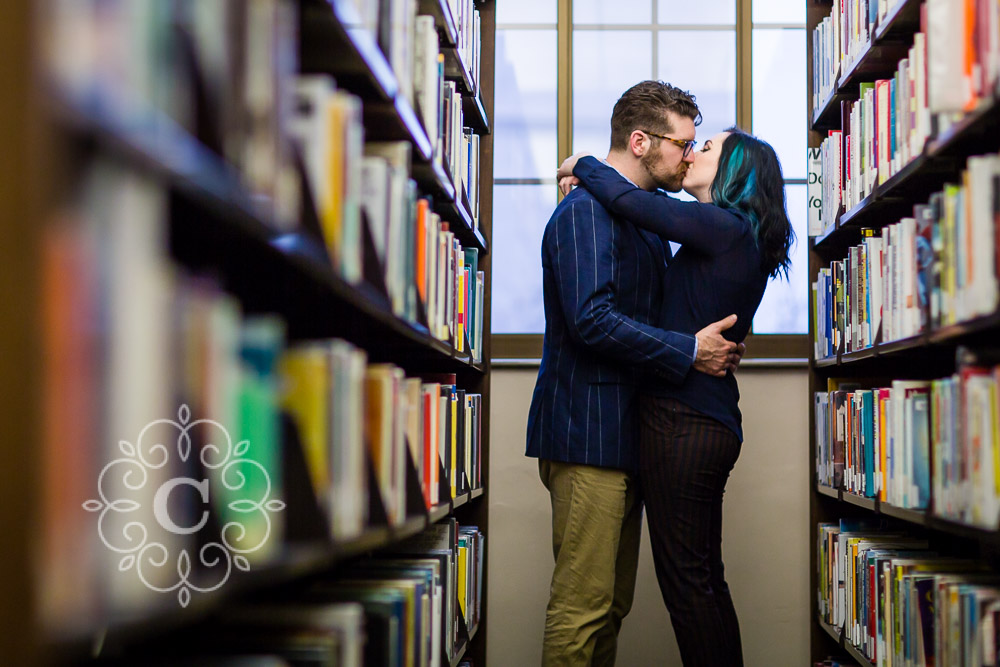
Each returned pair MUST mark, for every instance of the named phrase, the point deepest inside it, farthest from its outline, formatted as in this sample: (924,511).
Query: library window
(693,45)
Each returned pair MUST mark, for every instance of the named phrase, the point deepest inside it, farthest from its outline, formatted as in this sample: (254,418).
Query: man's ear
(638,143)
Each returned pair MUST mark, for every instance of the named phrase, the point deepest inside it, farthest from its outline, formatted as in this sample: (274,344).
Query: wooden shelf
(946,336)
(951,332)
(827,115)
(857,355)
(439,511)
(475,493)
(455,70)
(858,501)
(474,114)
(450,203)
(879,61)
(829,629)
(831,229)
(443,20)
(900,22)
(460,653)
(901,345)
(828,491)
(857,655)
(915,517)
(845,645)
(332,42)
(977,131)
(826,362)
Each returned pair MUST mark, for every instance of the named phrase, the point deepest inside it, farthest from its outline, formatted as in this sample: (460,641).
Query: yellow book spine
(332,211)
(462,573)
(304,372)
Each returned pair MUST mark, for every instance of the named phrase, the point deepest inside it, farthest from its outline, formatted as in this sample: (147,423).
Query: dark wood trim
(20,355)
(777,346)
(759,346)
(517,346)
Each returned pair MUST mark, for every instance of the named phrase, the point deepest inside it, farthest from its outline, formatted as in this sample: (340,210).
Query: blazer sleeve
(584,259)
(706,227)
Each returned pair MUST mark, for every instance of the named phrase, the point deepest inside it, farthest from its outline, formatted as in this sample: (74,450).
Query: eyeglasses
(687,144)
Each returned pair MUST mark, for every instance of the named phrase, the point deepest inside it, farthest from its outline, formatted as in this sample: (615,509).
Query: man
(602,284)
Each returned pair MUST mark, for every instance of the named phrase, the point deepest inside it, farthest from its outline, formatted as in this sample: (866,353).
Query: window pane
(779,95)
(711,77)
(525,104)
(602,12)
(785,307)
(605,65)
(777,11)
(526,11)
(699,12)
(519,216)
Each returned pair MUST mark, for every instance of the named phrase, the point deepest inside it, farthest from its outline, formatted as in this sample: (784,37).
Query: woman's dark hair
(749,180)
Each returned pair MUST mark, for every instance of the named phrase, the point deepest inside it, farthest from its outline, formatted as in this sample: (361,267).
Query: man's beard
(670,182)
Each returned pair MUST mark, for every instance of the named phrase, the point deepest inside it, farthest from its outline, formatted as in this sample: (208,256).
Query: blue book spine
(868,436)
(921,451)
(892,118)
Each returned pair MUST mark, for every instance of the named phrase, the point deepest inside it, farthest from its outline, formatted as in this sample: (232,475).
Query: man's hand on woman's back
(716,355)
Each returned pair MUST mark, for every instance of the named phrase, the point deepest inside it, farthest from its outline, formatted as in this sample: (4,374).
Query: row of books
(400,608)
(395,25)
(152,375)
(343,406)
(886,128)
(881,133)
(363,189)
(439,104)
(461,147)
(149,375)
(939,267)
(876,442)
(227,74)
(916,444)
(900,603)
(218,70)
(961,65)
(469,37)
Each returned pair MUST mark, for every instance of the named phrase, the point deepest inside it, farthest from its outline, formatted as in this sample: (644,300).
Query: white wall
(765,535)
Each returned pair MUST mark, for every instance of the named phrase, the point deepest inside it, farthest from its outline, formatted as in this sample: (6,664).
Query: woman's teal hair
(749,180)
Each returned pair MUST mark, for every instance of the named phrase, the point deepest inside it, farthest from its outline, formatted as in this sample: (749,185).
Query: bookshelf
(940,347)
(225,239)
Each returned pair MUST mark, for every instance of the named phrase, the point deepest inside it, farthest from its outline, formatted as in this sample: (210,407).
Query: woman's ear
(638,143)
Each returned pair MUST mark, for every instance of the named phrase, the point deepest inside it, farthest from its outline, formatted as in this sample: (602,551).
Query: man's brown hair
(643,107)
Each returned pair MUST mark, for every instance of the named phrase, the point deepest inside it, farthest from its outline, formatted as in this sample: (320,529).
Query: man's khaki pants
(596,524)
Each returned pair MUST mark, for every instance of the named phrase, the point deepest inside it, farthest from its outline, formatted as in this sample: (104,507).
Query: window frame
(762,349)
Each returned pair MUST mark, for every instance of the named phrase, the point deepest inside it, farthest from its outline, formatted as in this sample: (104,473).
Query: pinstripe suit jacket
(602,286)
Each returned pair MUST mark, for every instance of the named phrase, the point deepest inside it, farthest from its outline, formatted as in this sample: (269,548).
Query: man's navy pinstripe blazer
(602,285)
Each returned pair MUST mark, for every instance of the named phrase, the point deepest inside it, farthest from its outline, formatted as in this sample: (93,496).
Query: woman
(734,238)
